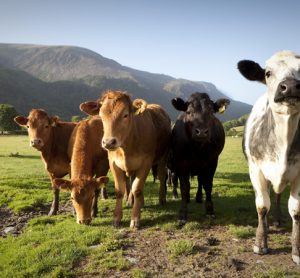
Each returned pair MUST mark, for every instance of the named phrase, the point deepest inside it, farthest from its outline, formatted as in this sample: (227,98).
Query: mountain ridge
(79,74)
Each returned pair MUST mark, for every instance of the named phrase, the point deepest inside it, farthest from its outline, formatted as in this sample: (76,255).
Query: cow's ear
(139,106)
(90,107)
(179,104)
(22,121)
(54,120)
(101,181)
(221,105)
(252,71)
(63,184)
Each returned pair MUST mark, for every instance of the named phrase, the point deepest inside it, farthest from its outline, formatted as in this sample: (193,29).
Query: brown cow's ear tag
(222,109)
(54,120)
(139,106)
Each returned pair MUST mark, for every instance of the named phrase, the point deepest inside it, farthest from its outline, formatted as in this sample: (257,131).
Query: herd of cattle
(131,137)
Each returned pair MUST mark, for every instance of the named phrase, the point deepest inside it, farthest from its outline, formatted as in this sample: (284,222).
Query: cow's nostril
(283,88)
(113,141)
(198,131)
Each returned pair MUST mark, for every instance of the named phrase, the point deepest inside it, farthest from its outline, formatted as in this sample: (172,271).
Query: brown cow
(136,136)
(88,158)
(51,137)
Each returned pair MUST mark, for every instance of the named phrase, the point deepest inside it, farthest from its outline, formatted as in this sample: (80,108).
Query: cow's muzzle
(36,143)
(84,221)
(288,91)
(109,143)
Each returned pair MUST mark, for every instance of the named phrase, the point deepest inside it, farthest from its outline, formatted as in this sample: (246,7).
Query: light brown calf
(88,158)
(51,137)
(136,135)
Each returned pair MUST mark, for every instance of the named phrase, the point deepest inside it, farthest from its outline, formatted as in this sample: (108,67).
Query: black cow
(197,140)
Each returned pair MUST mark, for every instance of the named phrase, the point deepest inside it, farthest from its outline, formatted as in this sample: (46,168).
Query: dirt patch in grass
(215,253)
(14,223)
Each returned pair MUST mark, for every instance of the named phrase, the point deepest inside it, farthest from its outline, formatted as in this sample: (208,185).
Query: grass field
(58,247)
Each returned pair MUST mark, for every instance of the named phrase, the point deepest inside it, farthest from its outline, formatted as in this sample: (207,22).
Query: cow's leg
(294,210)
(128,194)
(174,178)
(103,193)
(162,176)
(262,201)
(277,211)
(55,202)
(137,191)
(185,192)
(120,186)
(199,191)
(208,176)
(101,169)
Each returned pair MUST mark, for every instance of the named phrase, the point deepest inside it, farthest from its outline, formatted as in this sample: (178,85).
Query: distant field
(58,247)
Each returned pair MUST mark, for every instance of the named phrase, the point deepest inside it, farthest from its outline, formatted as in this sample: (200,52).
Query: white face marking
(281,66)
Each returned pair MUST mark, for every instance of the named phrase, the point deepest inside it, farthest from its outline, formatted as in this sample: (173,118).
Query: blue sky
(191,39)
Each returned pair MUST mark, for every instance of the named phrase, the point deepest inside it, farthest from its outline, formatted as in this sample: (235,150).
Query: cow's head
(199,114)
(39,126)
(282,78)
(82,195)
(117,112)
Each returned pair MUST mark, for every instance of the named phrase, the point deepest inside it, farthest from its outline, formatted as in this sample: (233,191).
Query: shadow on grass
(22,156)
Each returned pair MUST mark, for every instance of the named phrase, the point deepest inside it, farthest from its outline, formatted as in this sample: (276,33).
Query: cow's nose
(36,142)
(84,221)
(202,133)
(289,86)
(109,143)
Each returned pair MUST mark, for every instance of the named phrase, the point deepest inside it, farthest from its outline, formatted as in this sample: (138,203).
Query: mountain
(59,78)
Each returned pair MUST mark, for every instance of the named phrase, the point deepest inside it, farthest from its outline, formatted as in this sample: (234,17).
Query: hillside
(59,78)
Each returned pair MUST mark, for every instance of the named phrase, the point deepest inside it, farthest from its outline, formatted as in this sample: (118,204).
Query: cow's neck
(47,149)
(285,129)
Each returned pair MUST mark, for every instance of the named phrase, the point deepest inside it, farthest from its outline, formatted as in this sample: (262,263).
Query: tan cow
(136,135)
(51,137)
(87,158)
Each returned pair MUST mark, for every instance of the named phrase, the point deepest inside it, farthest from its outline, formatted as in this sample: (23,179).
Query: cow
(51,137)
(136,135)
(88,158)
(272,141)
(197,140)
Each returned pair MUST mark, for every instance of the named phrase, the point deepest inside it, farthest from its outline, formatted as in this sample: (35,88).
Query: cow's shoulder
(260,138)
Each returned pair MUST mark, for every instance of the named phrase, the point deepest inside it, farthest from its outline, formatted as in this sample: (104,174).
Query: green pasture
(58,247)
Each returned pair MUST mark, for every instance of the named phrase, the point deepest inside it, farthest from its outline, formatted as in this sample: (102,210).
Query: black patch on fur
(263,138)
(295,147)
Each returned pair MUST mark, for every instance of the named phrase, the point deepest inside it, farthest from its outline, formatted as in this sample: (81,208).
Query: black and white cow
(197,140)
(272,140)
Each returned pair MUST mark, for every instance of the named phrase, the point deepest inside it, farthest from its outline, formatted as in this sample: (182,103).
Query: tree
(7,114)
(76,119)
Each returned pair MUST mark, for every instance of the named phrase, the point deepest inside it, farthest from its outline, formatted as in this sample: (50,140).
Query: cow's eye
(27,126)
(268,73)
(46,126)
(125,116)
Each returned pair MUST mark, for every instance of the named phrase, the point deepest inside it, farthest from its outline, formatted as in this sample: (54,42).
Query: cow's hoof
(182,222)
(162,202)
(276,223)
(296,259)
(175,197)
(260,251)
(52,212)
(134,224)
(116,223)
(211,216)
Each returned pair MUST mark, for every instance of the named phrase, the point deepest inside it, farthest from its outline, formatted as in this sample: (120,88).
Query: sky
(191,39)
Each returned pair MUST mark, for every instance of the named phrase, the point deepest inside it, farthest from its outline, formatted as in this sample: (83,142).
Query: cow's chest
(128,163)
(57,167)
(281,171)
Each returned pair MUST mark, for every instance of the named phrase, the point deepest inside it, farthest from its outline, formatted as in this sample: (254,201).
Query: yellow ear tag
(138,111)
(222,109)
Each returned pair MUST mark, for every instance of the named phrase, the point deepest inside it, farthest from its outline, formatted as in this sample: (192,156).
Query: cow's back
(57,157)
(85,147)
(162,124)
